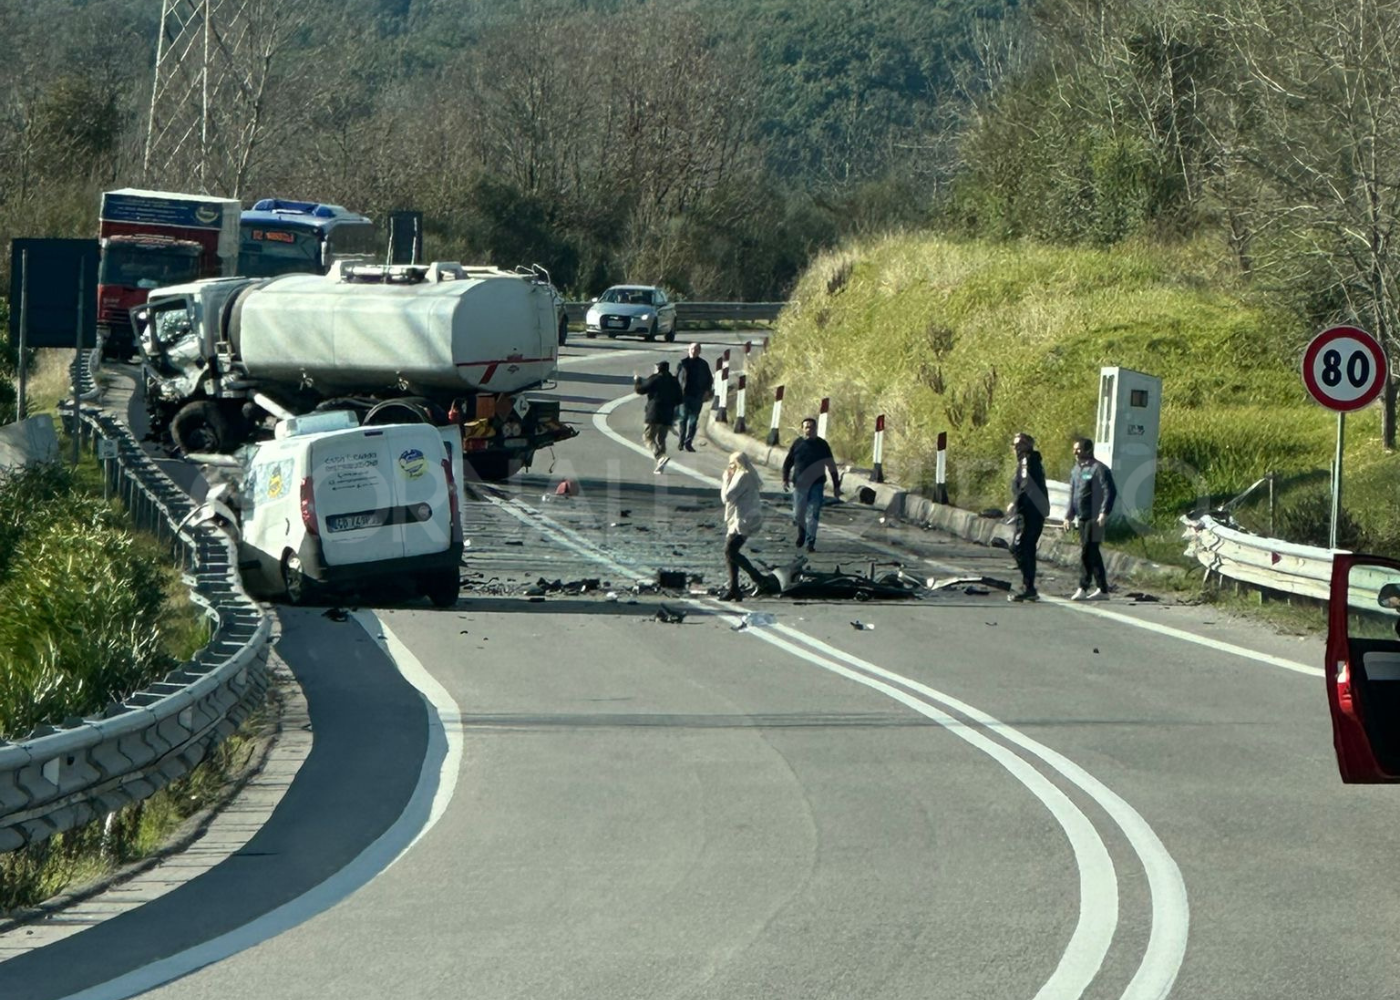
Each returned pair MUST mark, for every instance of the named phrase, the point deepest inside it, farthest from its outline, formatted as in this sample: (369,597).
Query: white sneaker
(1096,595)
(1079,595)
(661,462)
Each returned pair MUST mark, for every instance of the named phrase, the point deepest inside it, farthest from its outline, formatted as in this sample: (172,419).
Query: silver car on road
(632,309)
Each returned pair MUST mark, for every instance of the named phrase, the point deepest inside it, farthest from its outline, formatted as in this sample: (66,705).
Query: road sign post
(1344,369)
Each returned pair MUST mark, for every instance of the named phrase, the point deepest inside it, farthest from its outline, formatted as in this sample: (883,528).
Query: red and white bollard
(720,402)
(940,470)
(822,415)
(739,426)
(877,465)
(777,416)
(723,415)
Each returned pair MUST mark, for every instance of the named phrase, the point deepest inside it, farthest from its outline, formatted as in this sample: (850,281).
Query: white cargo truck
(328,507)
(440,343)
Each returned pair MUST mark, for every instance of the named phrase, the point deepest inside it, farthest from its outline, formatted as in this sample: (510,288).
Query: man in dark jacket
(1091,495)
(663,395)
(696,382)
(1030,505)
(804,469)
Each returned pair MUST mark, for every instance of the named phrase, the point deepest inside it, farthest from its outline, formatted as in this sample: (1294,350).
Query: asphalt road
(963,799)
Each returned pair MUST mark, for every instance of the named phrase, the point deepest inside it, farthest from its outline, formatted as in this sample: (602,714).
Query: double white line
(1023,758)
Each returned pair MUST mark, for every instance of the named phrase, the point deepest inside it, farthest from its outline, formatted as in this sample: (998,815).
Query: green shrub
(81,602)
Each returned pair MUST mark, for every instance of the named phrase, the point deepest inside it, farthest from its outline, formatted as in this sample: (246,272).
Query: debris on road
(963,581)
(1142,598)
(336,614)
(861,626)
(669,615)
(756,619)
(671,579)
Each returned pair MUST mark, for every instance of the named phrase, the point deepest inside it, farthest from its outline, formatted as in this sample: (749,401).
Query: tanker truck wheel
(201,427)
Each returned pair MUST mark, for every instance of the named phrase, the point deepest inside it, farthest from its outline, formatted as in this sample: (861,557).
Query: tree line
(715,147)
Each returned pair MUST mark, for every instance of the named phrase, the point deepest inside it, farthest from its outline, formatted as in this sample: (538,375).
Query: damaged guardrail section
(62,777)
(1302,570)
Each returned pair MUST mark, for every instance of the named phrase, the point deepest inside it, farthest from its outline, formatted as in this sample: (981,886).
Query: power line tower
(203,82)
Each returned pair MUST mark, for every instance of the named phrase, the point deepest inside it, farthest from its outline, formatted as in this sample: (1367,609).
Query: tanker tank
(469,330)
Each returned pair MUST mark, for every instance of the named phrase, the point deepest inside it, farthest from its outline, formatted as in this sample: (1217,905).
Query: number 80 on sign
(1344,368)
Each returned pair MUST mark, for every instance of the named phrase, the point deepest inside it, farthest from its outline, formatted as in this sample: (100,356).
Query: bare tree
(1325,139)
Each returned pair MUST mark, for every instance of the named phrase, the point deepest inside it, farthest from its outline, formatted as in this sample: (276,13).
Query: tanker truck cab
(329,507)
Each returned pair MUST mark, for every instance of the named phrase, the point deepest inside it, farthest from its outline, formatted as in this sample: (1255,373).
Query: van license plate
(356,521)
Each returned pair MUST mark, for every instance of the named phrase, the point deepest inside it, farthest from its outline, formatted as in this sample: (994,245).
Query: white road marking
(1098,898)
(436,782)
(600,422)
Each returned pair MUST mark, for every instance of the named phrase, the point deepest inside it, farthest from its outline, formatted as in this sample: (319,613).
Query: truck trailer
(154,238)
(441,343)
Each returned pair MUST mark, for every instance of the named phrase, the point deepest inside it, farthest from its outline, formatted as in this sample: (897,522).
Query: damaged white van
(329,506)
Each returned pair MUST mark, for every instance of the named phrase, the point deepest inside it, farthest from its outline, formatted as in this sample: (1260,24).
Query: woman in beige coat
(743,514)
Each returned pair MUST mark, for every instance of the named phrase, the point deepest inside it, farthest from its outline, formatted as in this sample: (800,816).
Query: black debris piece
(336,614)
(669,615)
(865,495)
(861,626)
(684,509)
(1139,596)
(1000,543)
(671,579)
(624,513)
(1096,649)
(642,527)
(463,632)
(976,591)
(993,624)
(513,541)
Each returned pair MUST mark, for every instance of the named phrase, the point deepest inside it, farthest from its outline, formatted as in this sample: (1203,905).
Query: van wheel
(200,427)
(442,587)
(299,588)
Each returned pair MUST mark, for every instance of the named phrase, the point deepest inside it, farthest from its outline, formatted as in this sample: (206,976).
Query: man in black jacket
(696,382)
(663,395)
(805,468)
(1091,495)
(1030,505)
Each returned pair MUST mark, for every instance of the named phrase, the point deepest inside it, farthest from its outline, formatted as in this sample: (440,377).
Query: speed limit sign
(1344,368)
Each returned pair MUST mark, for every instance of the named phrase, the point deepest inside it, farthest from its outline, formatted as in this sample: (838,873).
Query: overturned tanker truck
(441,343)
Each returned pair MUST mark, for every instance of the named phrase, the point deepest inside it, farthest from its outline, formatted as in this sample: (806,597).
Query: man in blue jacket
(1091,496)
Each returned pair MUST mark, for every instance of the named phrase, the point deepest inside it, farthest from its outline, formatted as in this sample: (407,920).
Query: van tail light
(308,508)
(451,492)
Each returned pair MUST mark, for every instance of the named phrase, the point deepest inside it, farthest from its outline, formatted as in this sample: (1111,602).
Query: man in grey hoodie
(1091,496)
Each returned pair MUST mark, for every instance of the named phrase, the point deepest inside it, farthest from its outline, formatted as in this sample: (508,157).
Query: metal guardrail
(1302,570)
(702,312)
(64,776)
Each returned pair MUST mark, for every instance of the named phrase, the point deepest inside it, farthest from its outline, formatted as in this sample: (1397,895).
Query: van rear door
(1363,667)
(354,490)
(421,465)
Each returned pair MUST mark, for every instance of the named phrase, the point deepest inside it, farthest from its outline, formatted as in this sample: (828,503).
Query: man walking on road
(697,381)
(663,395)
(807,463)
(1030,504)
(1091,495)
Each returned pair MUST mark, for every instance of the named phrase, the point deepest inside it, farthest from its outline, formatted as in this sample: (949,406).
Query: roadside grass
(981,340)
(90,611)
